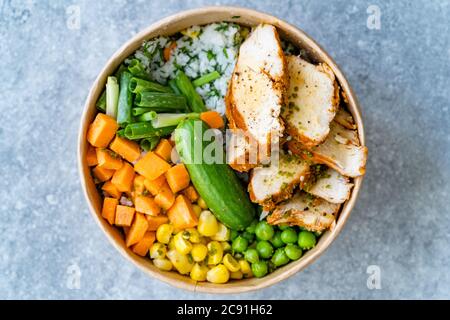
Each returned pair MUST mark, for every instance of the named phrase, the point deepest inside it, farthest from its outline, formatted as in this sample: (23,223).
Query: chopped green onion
(138,85)
(122,68)
(101,102)
(173,85)
(206,78)
(186,87)
(148,116)
(121,133)
(148,144)
(140,130)
(137,69)
(112,97)
(138,111)
(172,119)
(125,100)
(169,101)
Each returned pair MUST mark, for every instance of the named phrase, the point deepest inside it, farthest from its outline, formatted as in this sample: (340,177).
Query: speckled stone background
(401,222)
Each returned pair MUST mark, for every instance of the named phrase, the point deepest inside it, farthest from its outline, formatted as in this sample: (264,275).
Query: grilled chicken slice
(313,100)
(344,118)
(341,151)
(304,210)
(272,184)
(242,150)
(257,88)
(331,186)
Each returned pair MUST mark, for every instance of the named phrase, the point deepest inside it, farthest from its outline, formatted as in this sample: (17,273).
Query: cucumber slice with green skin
(216,183)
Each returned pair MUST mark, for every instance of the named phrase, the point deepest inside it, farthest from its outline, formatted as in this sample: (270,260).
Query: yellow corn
(199,272)
(182,245)
(171,244)
(181,262)
(164,233)
(163,264)
(231,263)
(223,233)
(199,252)
(238,275)
(218,274)
(207,224)
(245,268)
(226,246)
(197,209)
(158,251)
(192,235)
(202,203)
(215,252)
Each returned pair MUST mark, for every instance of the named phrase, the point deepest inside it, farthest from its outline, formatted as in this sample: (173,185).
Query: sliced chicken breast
(341,151)
(331,186)
(272,184)
(304,210)
(257,88)
(344,118)
(313,100)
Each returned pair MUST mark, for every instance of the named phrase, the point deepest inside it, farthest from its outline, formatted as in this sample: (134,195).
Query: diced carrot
(127,149)
(181,214)
(111,189)
(151,166)
(101,131)
(102,174)
(168,50)
(146,205)
(138,185)
(137,230)
(165,198)
(109,209)
(164,149)
(123,178)
(108,159)
(141,248)
(126,230)
(213,119)
(178,178)
(124,216)
(191,193)
(155,222)
(91,156)
(154,186)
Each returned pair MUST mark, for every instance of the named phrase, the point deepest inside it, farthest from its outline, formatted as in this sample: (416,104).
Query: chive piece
(206,78)
(101,102)
(137,69)
(139,85)
(194,100)
(172,119)
(173,86)
(169,101)
(148,144)
(140,130)
(122,68)
(125,100)
(148,116)
(112,97)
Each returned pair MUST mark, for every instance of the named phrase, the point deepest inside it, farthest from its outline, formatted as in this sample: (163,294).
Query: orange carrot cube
(102,174)
(146,205)
(109,209)
(151,166)
(191,193)
(127,149)
(141,248)
(124,216)
(155,221)
(181,214)
(178,178)
(154,186)
(111,189)
(108,159)
(164,149)
(165,198)
(138,185)
(123,178)
(101,131)
(91,156)
(137,230)
(213,119)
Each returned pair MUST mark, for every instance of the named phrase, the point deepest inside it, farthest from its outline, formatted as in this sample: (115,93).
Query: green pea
(233,234)
(251,255)
(271,266)
(264,249)
(306,240)
(293,251)
(283,226)
(276,240)
(239,244)
(264,231)
(249,236)
(259,269)
(289,236)
(251,228)
(280,258)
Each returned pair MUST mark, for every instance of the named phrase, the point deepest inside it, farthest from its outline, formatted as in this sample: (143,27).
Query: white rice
(201,50)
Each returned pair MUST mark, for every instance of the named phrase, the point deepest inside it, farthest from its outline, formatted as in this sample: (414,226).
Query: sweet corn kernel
(226,246)
(215,252)
(207,224)
(238,275)
(199,252)
(218,274)
(158,251)
(199,272)
(182,262)
(163,264)
(202,203)
(197,209)
(245,268)
(231,263)
(182,245)
(171,244)
(223,234)
(164,233)
(192,235)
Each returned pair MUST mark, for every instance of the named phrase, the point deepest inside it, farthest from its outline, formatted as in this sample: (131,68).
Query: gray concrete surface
(401,222)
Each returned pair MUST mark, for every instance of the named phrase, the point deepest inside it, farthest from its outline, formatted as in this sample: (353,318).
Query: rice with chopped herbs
(199,50)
